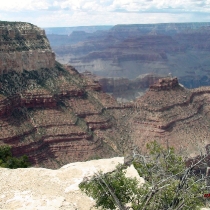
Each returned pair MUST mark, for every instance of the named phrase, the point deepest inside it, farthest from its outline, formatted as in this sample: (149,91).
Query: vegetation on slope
(14,82)
(20,36)
(8,161)
(169,184)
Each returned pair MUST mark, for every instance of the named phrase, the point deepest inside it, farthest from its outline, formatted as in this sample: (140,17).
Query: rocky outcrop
(56,121)
(26,60)
(39,188)
(38,98)
(165,84)
(24,46)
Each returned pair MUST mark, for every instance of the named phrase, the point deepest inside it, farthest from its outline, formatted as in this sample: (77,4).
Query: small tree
(8,161)
(169,184)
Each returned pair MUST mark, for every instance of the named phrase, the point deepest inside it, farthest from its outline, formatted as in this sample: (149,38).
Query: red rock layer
(173,116)
(53,129)
(38,98)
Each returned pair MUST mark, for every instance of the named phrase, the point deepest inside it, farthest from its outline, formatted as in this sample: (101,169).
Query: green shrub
(8,161)
(169,184)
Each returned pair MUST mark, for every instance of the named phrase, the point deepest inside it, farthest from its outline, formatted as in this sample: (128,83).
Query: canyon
(130,51)
(124,89)
(65,120)
(56,115)
(171,115)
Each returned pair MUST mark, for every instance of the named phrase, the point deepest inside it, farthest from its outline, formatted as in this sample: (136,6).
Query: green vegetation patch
(8,161)
(169,184)
(15,82)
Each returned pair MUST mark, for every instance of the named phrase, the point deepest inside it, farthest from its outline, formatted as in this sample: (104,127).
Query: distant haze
(69,30)
(66,13)
(130,51)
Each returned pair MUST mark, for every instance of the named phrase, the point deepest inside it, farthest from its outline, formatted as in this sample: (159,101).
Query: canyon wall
(24,46)
(56,115)
(48,111)
(127,51)
(60,122)
(124,89)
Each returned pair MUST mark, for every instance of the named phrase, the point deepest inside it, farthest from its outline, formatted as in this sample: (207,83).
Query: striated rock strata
(173,115)
(24,46)
(48,111)
(55,115)
(56,126)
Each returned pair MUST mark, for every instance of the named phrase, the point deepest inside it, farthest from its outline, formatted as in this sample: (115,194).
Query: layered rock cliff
(24,46)
(173,115)
(58,118)
(48,111)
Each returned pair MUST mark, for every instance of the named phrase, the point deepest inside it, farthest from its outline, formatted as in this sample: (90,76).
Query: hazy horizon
(126,24)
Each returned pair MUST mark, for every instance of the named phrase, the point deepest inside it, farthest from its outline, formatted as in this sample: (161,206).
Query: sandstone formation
(165,84)
(173,116)
(24,46)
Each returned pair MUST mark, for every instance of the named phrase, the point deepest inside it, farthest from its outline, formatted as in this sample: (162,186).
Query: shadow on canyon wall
(131,51)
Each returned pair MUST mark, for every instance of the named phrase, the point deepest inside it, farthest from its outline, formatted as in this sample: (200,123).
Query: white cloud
(22,5)
(106,5)
(158,5)
(99,12)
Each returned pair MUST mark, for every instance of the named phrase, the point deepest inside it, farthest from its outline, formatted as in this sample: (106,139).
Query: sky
(67,13)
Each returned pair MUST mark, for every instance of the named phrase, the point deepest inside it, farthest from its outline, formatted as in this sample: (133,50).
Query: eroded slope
(174,116)
(60,119)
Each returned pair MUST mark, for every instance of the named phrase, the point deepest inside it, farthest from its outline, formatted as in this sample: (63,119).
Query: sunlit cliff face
(24,46)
